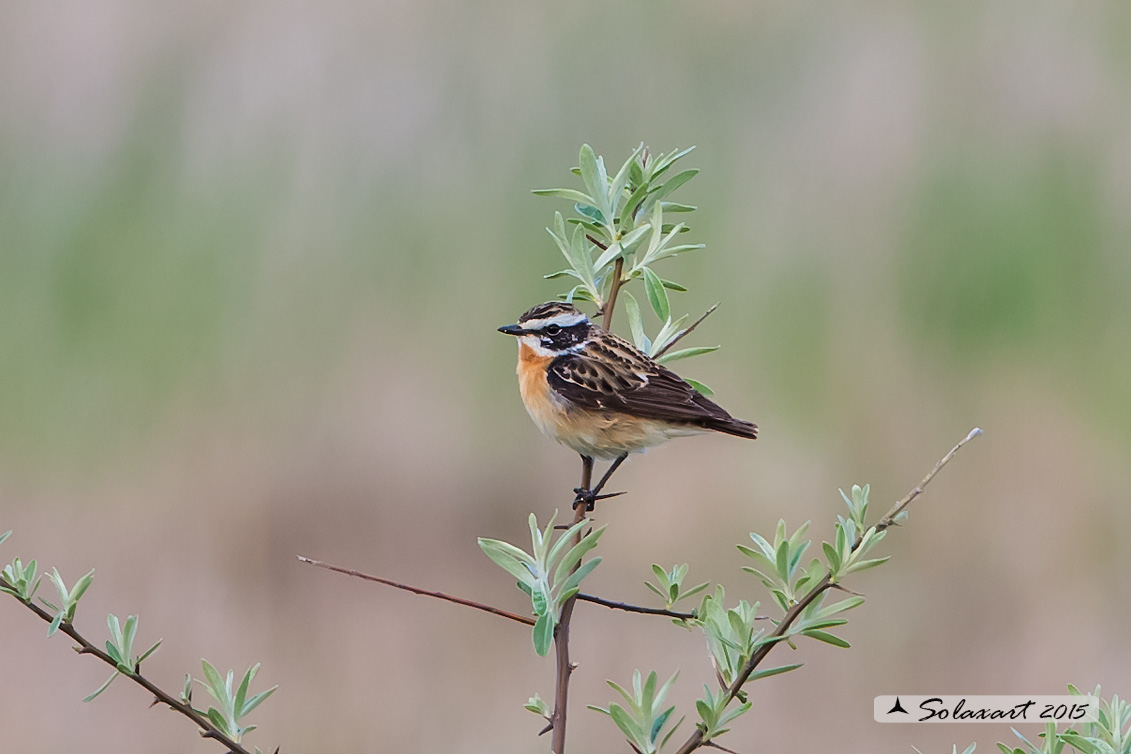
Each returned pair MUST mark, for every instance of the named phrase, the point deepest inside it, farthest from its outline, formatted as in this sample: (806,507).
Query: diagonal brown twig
(695,740)
(417,590)
(685,333)
(207,729)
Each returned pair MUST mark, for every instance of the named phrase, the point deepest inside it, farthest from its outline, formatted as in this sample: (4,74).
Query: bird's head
(551,329)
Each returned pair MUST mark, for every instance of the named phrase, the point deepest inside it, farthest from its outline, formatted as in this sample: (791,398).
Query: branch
(696,739)
(686,332)
(207,729)
(614,289)
(635,608)
(564,668)
(417,590)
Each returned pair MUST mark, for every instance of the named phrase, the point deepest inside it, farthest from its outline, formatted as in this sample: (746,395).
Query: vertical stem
(561,634)
(614,289)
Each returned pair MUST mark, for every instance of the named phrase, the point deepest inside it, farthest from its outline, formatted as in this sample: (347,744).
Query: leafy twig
(695,740)
(684,333)
(207,729)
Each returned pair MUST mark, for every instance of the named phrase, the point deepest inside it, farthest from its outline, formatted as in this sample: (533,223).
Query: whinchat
(599,395)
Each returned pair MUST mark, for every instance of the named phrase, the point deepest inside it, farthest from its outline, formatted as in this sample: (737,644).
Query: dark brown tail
(735,427)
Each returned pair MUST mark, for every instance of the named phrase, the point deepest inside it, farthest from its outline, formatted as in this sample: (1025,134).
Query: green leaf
(256,700)
(544,634)
(675,182)
(864,565)
(241,692)
(836,641)
(505,556)
(148,652)
(635,323)
(101,688)
(686,353)
(81,586)
(214,683)
(573,583)
(703,389)
(694,590)
(218,720)
(577,552)
(594,214)
(673,286)
(657,296)
(55,623)
(5,535)
(564,193)
(774,671)
(591,175)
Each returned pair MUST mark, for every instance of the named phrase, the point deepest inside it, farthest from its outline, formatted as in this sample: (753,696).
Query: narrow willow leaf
(214,683)
(590,175)
(673,286)
(574,581)
(101,688)
(257,700)
(675,182)
(635,323)
(148,652)
(543,634)
(218,720)
(576,553)
(5,535)
(627,725)
(703,389)
(774,671)
(607,256)
(591,212)
(508,562)
(836,641)
(572,194)
(686,353)
(864,565)
(657,296)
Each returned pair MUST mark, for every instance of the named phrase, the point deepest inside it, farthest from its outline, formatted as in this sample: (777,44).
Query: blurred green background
(252,257)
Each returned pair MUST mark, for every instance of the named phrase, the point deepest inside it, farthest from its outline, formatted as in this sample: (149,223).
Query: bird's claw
(589,498)
(584,497)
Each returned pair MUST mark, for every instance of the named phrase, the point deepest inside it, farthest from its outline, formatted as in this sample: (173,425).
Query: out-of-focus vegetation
(252,258)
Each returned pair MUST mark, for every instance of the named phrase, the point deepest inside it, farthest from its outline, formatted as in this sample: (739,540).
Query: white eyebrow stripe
(562,320)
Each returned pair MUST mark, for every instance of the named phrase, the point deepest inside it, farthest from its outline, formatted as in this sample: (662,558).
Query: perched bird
(602,397)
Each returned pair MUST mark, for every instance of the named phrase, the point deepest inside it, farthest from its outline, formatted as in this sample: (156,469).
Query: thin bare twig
(713,745)
(416,590)
(685,333)
(634,608)
(207,729)
(696,739)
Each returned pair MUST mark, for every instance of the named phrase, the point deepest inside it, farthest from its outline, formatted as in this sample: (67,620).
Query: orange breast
(544,408)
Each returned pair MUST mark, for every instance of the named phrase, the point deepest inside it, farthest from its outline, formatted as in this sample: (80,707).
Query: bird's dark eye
(552,330)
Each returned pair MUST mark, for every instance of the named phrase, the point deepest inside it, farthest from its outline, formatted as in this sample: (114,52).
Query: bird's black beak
(513,330)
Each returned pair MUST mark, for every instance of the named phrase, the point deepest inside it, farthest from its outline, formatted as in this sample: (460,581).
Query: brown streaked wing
(617,377)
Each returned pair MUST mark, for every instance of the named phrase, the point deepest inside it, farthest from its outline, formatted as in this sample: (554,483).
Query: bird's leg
(608,473)
(591,496)
(583,495)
